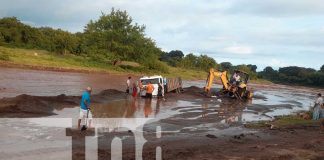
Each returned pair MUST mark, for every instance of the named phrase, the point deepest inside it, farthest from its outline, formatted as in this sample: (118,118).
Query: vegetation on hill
(115,38)
(294,75)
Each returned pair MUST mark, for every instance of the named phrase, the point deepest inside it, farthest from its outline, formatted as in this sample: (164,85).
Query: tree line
(294,75)
(176,58)
(115,37)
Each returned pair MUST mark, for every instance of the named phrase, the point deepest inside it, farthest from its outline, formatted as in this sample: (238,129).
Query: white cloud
(287,31)
(243,50)
(277,8)
(322,30)
(277,63)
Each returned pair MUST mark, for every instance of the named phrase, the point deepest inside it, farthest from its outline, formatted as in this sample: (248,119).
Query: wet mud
(23,106)
(193,126)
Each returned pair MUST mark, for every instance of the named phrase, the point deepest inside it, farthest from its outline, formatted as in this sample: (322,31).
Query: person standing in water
(317,107)
(160,91)
(85,107)
(128,84)
(149,90)
(134,93)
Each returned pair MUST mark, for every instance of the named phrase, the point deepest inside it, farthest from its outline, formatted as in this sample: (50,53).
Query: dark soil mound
(109,92)
(193,89)
(36,105)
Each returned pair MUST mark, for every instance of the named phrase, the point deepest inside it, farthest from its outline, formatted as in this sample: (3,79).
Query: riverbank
(47,61)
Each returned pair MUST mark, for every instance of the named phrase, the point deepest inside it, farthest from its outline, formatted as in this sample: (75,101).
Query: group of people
(318,109)
(135,89)
(138,87)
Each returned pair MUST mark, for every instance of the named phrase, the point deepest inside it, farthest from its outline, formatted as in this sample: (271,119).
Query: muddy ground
(193,126)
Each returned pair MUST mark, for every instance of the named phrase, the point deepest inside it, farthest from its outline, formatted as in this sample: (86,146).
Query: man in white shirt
(236,78)
(319,100)
(128,84)
(317,107)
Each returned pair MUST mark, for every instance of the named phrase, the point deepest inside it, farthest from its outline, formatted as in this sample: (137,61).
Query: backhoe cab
(231,87)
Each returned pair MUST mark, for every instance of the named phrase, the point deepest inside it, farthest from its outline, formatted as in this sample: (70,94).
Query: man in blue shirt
(85,107)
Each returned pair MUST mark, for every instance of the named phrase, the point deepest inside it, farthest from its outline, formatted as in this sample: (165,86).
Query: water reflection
(147,107)
(213,110)
(228,112)
(128,108)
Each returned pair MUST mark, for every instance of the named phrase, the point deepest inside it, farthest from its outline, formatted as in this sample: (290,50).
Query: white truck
(169,84)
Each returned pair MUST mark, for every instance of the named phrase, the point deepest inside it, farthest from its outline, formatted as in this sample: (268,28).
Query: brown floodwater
(183,114)
(15,81)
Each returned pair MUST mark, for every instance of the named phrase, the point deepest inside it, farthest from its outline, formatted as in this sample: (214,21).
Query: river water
(14,82)
(213,116)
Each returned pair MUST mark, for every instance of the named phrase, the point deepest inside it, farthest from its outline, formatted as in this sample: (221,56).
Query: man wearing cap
(85,107)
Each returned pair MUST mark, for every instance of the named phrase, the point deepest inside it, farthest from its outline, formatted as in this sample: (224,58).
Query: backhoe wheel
(249,95)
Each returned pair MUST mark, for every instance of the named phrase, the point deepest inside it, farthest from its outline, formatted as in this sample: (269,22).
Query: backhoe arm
(212,75)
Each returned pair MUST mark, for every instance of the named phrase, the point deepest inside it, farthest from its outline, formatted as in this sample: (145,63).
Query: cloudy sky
(262,32)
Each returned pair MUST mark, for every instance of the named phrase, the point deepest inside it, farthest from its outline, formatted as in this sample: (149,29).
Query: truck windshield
(153,81)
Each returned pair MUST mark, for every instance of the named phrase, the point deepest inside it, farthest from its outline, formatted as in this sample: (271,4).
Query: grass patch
(260,81)
(282,122)
(291,120)
(4,56)
(187,74)
(129,63)
(42,58)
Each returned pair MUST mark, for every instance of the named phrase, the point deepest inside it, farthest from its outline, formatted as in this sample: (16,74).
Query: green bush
(157,66)
(132,68)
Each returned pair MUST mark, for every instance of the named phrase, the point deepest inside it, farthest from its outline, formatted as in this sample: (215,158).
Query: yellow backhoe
(237,89)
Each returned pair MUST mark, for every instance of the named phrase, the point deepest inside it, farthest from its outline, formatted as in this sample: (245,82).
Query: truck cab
(155,80)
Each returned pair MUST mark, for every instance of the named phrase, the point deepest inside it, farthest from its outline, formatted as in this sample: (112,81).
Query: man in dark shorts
(149,90)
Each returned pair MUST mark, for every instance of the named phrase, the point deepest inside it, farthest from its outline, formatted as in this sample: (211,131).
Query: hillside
(44,60)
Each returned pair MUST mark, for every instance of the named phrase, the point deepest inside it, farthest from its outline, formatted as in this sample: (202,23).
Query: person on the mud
(85,107)
(317,107)
(149,90)
(128,84)
(165,86)
(134,93)
(160,91)
(140,85)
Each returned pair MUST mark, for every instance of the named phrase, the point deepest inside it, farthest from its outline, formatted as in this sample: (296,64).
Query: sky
(275,33)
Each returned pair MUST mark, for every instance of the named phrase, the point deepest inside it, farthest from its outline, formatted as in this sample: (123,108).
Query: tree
(10,30)
(65,42)
(176,54)
(322,68)
(189,61)
(226,65)
(173,58)
(205,63)
(115,35)
(268,70)
(253,68)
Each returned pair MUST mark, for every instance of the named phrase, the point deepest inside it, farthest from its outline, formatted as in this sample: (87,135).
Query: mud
(24,106)
(193,126)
